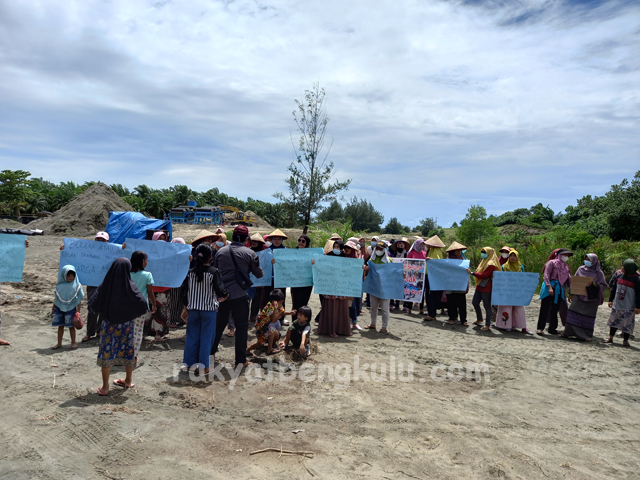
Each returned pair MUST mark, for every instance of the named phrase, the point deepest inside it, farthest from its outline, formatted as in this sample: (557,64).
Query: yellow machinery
(239,218)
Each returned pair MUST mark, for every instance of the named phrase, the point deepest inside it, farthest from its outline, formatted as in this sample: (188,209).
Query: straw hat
(351,244)
(456,246)
(256,237)
(404,240)
(202,235)
(434,242)
(277,233)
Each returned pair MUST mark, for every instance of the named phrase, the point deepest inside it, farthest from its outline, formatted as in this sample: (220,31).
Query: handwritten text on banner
(448,274)
(265,257)
(293,266)
(337,276)
(168,262)
(513,288)
(12,250)
(91,259)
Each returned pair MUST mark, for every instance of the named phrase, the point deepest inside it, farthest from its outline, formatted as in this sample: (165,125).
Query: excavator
(239,218)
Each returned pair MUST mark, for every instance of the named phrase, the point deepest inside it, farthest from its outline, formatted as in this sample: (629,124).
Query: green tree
(476,228)
(394,227)
(455,225)
(334,212)
(624,210)
(363,216)
(310,175)
(426,225)
(14,189)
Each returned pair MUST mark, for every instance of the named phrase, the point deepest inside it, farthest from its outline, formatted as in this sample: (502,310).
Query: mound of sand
(85,215)
(8,223)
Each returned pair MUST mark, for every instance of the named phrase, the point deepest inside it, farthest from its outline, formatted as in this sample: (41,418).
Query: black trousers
(485,298)
(549,310)
(300,297)
(93,328)
(256,303)
(239,308)
(613,330)
(457,305)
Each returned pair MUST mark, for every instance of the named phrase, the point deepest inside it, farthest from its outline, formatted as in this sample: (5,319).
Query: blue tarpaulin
(123,225)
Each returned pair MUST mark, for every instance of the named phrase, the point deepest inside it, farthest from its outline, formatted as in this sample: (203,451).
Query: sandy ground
(549,408)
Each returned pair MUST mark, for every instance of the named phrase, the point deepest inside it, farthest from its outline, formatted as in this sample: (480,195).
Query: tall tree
(476,227)
(310,175)
(363,215)
(14,189)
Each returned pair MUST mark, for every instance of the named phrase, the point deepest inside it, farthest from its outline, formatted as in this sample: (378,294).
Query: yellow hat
(456,246)
(434,242)
(277,233)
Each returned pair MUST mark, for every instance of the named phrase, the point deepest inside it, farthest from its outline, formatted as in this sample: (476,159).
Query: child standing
(624,301)
(202,291)
(144,282)
(298,332)
(268,322)
(68,296)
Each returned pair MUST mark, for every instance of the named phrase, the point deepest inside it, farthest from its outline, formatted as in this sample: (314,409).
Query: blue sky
(433,105)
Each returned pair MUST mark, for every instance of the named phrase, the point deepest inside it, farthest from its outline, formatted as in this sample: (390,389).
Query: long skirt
(116,345)
(623,320)
(581,319)
(157,323)
(138,332)
(175,308)
(334,316)
(510,317)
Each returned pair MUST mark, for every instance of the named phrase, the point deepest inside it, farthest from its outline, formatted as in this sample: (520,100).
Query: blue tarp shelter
(123,225)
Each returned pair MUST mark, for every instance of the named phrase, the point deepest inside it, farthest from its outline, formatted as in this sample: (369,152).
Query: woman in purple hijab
(581,318)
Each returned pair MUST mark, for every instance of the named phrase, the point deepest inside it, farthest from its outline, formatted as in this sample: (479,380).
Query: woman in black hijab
(301,295)
(118,301)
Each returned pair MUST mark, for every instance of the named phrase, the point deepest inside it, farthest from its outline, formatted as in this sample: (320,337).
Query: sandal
(421,312)
(607,340)
(231,332)
(451,322)
(101,393)
(427,319)
(626,343)
(485,328)
(120,383)
(384,330)
(86,338)
(478,322)
(371,327)
(466,324)
(540,332)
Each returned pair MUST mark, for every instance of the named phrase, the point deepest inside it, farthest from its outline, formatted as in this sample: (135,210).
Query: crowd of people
(217,295)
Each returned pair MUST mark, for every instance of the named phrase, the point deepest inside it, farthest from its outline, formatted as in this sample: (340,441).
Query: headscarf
(513,266)
(68,295)
(436,253)
(630,267)
(417,246)
(178,240)
(505,260)
(223,239)
(562,269)
(553,256)
(385,256)
(307,241)
(492,259)
(341,245)
(595,272)
(354,250)
(157,235)
(117,299)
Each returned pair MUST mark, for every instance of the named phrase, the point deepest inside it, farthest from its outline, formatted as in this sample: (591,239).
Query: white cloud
(433,105)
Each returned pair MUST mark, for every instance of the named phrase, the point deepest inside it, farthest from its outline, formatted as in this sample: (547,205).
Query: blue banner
(91,259)
(265,257)
(448,274)
(12,250)
(385,281)
(337,276)
(168,262)
(293,266)
(513,288)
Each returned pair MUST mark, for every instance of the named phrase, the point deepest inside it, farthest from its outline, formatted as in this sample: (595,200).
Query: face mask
(505,255)
(379,253)
(587,263)
(220,244)
(373,244)
(484,255)
(564,258)
(336,251)
(267,244)
(358,246)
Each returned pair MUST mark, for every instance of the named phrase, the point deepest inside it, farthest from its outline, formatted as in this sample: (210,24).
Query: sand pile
(85,215)
(8,223)
(260,222)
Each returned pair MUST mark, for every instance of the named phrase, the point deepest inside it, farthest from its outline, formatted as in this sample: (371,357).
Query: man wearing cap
(238,302)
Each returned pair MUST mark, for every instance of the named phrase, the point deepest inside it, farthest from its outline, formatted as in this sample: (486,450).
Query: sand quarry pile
(85,215)
(8,223)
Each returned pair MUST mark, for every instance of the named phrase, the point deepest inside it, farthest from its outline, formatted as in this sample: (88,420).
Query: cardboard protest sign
(91,259)
(337,276)
(514,288)
(168,262)
(385,280)
(413,271)
(579,285)
(448,274)
(12,252)
(293,266)
(265,257)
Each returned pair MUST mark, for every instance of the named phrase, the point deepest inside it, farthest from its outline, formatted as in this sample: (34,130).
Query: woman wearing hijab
(581,318)
(398,249)
(624,301)
(157,324)
(334,314)
(557,277)
(504,254)
(512,316)
(434,298)
(457,301)
(301,295)
(483,273)
(257,245)
(374,241)
(67,297)
(379,257)
(351,251)
(119,302)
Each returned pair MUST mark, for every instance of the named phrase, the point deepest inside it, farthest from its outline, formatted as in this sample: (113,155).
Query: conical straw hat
(456,246)
(434,242)
(335,236)
(256,237)
(203,234)
(277,233)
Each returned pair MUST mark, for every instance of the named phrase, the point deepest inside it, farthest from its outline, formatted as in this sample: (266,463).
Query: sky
(433,105)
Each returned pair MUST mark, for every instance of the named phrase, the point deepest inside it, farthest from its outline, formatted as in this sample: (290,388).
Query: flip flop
(333,335)
(120,383)
(607,340)
(86,338)
(384,331)
(102,394)
(451,322)
(371,327)
(485,328)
